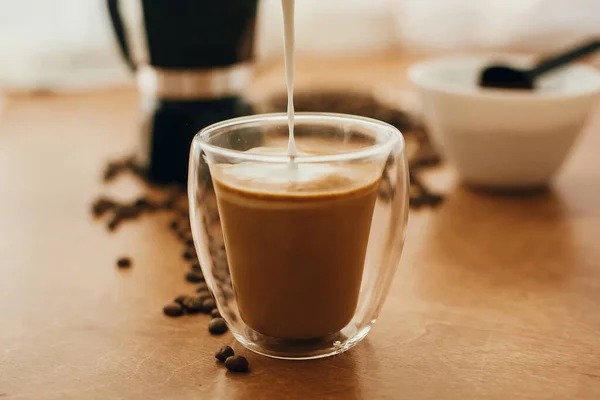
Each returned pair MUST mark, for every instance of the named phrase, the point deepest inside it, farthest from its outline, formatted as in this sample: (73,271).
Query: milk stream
(288,23)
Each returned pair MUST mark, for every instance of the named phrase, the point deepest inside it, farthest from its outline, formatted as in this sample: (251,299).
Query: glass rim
(201,138)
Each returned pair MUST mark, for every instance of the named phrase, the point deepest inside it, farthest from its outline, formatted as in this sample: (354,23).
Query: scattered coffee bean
(202,287)
(174,224)
(173,310)
(101,206)
(113,224)
(224,353)
(189,242)
(130,164)
(215,313)
(127,212)
(124,262)
(181,299)
(221,274)
(170,202)
(111,171)
(122,213)
(426,156)
(416,202)
(217,326)
(236,364)
(194,277)
(196,268)
(115,168)
(194,305)
(144,204)
(190,255)
(216,246)
(205,294)
(208,305)
(432,199)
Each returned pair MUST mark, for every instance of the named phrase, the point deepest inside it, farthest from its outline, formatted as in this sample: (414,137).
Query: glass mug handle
(391,215)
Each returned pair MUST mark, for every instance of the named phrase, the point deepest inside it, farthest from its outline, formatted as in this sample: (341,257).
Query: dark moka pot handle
(119,29)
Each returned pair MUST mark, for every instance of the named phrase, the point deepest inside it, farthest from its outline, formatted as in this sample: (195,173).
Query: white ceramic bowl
(504,138)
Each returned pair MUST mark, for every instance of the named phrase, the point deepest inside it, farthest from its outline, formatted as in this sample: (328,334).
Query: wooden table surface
(495,298)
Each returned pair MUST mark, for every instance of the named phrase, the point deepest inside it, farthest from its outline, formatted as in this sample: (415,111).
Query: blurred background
(69,45)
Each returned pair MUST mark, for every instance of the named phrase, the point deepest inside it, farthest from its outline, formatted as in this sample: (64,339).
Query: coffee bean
(236,364)
(173,310)
(129,163)
(115,168)
(202,287)
(174,224)
(217,326)
(144,204)
(208,305)
(101,206)
(122,213)
(221,274)
(190,255)
(193,305)
(128,212)
(432,199)
(215,313)
(112,170)
(414,191)
(224,353)
(181,299)
(216,246)
(196,268)
(189,242)
(416,202)
(124,262)
(114,223)
(194,277)
(204,294)
(170,202)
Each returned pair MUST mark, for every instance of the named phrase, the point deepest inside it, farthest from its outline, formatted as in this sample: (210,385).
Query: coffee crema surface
(296,237)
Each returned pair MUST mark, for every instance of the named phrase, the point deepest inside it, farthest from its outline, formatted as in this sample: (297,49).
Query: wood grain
(495,297)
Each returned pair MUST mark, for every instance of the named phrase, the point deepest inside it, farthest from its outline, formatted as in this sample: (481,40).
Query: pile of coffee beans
(174,202)
(117,167)
(232,362)
(200,303)
(365,104)
(119,212)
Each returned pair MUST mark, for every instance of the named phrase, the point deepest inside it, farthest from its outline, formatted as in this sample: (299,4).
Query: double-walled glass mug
(299,252)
